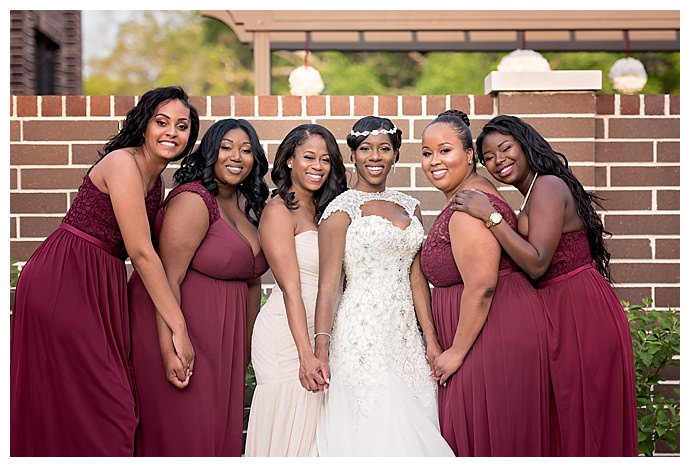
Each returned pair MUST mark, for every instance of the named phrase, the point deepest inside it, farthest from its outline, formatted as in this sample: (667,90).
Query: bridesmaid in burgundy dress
(71,386)
(493,374)
(590,349)
(209,244)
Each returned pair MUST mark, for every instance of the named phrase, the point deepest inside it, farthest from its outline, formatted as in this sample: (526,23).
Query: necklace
(529,191)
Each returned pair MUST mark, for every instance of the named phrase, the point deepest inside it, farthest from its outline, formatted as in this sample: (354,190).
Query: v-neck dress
(206,417)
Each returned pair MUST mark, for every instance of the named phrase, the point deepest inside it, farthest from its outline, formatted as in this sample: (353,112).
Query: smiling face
(168,130)
(504,159)
(444,159)
(374,158)
(311,164)
(235,158)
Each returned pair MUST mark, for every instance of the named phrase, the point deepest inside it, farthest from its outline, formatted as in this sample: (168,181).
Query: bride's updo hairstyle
(373,125)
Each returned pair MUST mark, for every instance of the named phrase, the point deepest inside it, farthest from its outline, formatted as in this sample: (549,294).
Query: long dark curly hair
(371,123)
(281,173)
(543,159)
(136,120)
(199,166)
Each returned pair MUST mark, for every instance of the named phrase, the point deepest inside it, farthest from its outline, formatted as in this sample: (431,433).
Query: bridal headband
(382,131)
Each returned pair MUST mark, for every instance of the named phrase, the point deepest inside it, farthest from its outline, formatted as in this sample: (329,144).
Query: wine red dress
(71,387)
(590,351)
(206,417)
(497,403)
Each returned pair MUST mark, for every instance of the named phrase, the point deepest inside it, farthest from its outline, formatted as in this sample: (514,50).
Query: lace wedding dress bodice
(376,340)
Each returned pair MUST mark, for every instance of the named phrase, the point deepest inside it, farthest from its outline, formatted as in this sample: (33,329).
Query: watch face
(495,217)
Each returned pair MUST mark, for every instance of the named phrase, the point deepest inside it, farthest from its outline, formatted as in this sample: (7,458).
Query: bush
(655,340)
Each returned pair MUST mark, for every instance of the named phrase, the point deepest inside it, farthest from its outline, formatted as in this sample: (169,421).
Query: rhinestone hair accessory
(382,131)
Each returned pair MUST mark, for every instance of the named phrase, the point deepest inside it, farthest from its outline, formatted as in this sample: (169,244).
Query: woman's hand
(311,372)
(174,370)
(184,350)
(473,202)
(433,350)
(321,353)
(445,365)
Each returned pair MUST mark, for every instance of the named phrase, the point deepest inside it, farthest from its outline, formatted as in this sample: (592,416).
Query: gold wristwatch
(494,219)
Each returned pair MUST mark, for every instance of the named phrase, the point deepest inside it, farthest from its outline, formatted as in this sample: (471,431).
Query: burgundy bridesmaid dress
(497,403)
(594,409)
(206,417)
(71,387)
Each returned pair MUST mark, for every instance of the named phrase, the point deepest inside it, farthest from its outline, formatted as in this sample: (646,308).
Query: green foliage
(656,340)
(14,274)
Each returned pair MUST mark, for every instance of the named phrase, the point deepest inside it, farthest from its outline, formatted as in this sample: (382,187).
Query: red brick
(35,179)
(33,227)
(275,129)
(667,248)
(27,106)
(13,227)
(388,106)
(99,106)
(435,105)
(575,151)
(76,106)
(671,371)
(123,104)
(667,151)
(339,127)
(613,151)
(199,102)
(630,105)
(632,200)
(641,273)
(432,200)
(411,153)
(364,105)
(12,107)
(36,203)
(85,153)
(645,176)
(599,128)
(52,130)
(483,105)
(668,200)
(459,102)
(629,248)
(22,250)
(605,104)
(546,103)
(268,106)
(292,106)
(600,177)
(632,295)
(13,179)
(220,106)
(585,174)
(644,128)
(39,154)
(667,296)
(563,127)
(316,105)
(51,106)
(654,105)
(675,104)
(340,105)
(399,179)
(15,130)
(411,105)
(636,224)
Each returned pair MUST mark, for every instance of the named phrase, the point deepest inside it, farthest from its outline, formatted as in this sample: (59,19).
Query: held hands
(311,373)
(473,202)
(184,350)
(433,350)
(445,365)
(174,370)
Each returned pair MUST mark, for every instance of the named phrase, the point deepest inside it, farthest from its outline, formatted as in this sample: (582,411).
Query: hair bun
(456,114)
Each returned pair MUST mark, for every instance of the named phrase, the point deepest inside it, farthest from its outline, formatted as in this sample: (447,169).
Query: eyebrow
(161,114)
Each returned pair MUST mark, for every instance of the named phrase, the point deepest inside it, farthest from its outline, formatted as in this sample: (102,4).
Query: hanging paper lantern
(524,60)
(628,75)
(305,81)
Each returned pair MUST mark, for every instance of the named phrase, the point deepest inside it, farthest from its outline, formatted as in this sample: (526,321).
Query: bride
(380,399)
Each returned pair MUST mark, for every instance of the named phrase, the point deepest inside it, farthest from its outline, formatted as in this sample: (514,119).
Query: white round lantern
(628,75)
(305,81)
(524,60)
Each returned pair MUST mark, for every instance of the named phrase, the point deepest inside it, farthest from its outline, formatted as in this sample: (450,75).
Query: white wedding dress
(381,400)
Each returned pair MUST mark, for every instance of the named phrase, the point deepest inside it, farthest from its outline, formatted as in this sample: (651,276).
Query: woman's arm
(331,253)
(477,255)
(422,304)
(546,218)
(123,182)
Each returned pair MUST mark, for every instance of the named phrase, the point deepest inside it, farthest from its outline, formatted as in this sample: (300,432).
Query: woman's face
(374,158)
(235,158)
(504,158)
(445,162)
(167,131)
(311,164)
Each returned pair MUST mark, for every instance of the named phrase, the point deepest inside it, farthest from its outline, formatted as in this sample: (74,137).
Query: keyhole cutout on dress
(392,212)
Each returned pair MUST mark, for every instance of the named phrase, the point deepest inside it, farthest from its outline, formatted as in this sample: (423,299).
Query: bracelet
(322,334)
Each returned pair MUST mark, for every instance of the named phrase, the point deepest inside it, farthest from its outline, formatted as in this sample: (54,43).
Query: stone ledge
(565,80)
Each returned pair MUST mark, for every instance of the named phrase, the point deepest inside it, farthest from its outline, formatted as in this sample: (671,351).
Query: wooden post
(262,63)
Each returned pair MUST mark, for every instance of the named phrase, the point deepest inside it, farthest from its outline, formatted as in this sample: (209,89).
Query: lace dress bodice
(375,328)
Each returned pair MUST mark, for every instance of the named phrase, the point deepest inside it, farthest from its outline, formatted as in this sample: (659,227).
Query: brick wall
(626,148)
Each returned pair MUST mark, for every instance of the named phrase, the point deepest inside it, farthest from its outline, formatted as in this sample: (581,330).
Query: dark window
(46,58)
